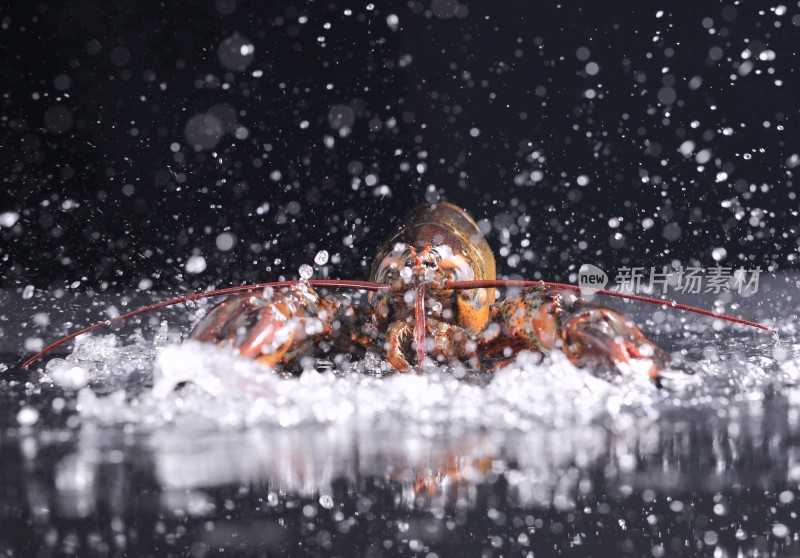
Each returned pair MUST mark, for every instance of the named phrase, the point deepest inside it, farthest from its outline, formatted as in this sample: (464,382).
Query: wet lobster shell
(445,224)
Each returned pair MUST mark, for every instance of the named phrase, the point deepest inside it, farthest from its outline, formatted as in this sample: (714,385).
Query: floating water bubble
(341,116)
(226,241)
(444,9)
(94,47)
(321,258)
(58,119)
(704,156)
(686,148)
(62,82)
(225,7)
(226,115)
(236,53)
(27,416)
(667,95)
(780,530)
(263,209)
(326,501)
(767,55)
(33,344)
(196,264)
(8,219)
(120,55)
(203,131)
(672,231)
(306,271)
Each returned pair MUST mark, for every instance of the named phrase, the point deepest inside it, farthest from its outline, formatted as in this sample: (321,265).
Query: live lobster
(431,296)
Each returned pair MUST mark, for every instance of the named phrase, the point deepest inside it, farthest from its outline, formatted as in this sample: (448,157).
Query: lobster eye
(431,264)
(409,264)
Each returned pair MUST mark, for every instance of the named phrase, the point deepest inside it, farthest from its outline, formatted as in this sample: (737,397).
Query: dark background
(135,133)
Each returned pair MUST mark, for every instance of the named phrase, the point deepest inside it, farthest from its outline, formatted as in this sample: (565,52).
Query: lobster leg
(446,343)
(589,334)
(398,344)
(272,329)
(451,343)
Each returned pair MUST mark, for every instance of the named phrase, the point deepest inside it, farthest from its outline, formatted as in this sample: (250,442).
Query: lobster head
(407,267)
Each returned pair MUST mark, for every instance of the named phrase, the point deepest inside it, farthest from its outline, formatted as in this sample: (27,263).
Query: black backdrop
(136,133)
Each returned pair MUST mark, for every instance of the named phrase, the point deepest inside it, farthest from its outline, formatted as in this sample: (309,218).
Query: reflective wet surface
(691,483)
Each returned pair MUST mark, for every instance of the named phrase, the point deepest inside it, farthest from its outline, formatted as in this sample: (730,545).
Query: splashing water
(154,383)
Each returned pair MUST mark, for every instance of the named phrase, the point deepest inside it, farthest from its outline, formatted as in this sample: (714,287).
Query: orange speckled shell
(443,223)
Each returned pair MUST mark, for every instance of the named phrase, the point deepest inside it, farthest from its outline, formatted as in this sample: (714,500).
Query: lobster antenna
(322,283)
(498,283)
(419,325)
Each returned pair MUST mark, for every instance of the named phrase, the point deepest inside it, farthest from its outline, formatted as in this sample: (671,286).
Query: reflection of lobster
(432,294)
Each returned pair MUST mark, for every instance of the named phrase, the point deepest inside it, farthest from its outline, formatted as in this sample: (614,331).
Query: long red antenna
(322,283)
(499,283)
(373,286)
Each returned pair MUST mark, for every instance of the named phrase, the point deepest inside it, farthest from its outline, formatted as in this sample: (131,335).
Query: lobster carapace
(436,245)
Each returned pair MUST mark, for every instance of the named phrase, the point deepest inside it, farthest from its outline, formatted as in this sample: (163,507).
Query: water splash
(155,383)
(201,384)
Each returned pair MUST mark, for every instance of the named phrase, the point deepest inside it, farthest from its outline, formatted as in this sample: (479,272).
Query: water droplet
(226,241)
(341,116)
(780,530)
(8,218)
(58,119)
(203,131)
(235,53)
(321,258)
(226,7)
(306,271)
(196,264)
(27,416)
(27,292)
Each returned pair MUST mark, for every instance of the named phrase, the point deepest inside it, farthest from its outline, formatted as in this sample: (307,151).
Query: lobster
(432,294)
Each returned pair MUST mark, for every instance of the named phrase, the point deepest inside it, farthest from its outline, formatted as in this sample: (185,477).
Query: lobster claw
(270,329)
(602,338)
(255,328)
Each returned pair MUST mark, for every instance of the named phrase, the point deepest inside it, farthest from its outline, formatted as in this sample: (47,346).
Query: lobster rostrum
(431,294)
